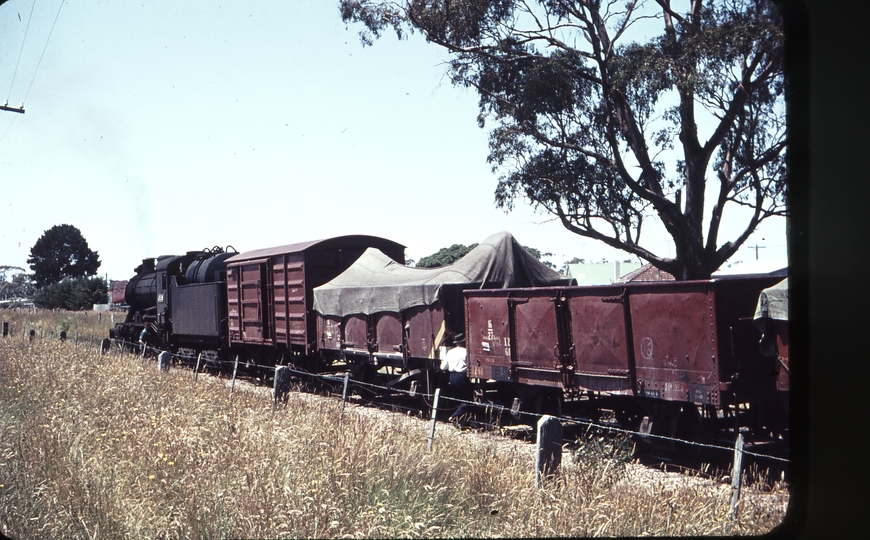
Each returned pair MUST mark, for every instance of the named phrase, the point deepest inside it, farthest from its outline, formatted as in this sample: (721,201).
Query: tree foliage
(59,253)
(450,255)
(610,113)
(445,256)
(19,285)
(73,294)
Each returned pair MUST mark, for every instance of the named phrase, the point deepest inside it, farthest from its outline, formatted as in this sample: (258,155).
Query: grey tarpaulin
(375,283)
(772,305)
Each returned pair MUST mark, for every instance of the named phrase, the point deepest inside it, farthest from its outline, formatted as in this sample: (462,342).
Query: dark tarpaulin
(375,283)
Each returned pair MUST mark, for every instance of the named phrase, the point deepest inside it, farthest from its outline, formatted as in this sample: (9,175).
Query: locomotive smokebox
(141,293)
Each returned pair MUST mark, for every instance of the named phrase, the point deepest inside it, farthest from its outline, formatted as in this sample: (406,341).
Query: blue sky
(163,127)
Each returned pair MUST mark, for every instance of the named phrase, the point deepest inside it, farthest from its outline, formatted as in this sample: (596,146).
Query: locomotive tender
(675,358)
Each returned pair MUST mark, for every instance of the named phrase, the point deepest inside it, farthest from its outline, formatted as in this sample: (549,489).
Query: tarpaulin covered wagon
(382,313)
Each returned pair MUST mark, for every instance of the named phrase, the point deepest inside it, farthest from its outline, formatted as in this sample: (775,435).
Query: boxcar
(269,291)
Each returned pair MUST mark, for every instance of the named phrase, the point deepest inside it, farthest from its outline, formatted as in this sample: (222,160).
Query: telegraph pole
(756,248)
(6,107)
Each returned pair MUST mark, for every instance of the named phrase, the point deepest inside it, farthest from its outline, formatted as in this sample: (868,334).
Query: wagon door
(598,338)
(288,279)
(536,340)
(675,346)
(424,330)
(488,339)
(248,301)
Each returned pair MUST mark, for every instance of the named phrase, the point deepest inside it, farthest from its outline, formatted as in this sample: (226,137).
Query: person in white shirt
(460,387)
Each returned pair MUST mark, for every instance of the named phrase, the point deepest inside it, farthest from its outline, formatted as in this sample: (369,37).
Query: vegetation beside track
(107,446)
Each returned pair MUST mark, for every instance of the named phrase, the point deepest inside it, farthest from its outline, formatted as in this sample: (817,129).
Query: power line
(43,52)
(20,108)
(23,41)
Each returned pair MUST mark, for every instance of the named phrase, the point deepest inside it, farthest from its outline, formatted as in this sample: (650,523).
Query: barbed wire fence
(550,427)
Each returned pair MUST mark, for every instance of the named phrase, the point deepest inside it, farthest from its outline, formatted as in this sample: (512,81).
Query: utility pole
(756,247)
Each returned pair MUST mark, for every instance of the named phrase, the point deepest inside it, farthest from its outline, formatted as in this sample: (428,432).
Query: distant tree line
(64,273)
(450,255)
(19,285)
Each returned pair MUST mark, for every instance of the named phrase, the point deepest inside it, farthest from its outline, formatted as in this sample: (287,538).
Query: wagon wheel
(678,422)
(548,402)
(361,372)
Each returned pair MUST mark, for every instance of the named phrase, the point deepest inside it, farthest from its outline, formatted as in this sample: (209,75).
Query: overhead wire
(23,41)
(5,131)
(38,64)
(56,17)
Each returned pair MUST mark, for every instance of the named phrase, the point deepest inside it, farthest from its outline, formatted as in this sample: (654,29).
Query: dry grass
(105,446)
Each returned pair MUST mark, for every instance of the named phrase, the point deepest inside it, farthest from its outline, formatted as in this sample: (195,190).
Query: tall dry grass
(108,447)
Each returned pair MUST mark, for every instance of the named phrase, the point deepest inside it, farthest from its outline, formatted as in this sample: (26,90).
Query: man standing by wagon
(460,387)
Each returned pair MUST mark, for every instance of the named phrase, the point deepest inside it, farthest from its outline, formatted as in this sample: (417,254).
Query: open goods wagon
(673,358)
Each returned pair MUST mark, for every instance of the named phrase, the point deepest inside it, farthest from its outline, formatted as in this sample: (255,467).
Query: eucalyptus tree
(609,114)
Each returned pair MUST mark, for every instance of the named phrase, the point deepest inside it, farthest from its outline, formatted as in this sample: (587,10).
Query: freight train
(680,359)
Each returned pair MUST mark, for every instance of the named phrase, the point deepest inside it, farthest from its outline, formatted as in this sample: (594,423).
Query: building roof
(773,267)
(647,272)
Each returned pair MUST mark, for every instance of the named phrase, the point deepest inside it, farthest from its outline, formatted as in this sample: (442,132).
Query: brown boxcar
(682,342)
(269,290)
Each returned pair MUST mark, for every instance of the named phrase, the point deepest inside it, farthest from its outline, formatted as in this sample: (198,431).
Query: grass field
(98,446)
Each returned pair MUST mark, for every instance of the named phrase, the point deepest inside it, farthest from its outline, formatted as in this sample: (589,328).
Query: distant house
(600,273)
(773,267)
(119,289)
(647,272)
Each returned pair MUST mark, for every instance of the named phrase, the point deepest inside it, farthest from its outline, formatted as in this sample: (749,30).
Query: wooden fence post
(163,360)
(235,369)
(736,473)
(196,369)
(434,415)
(548,456)
(344,393)
(105,345)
